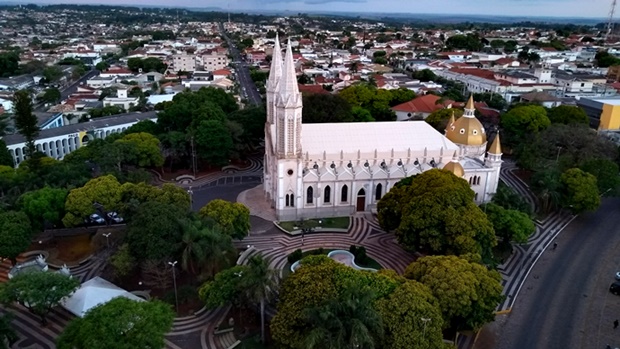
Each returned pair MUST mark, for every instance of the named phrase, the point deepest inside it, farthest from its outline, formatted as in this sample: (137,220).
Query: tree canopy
(435,211)
(579,190)
(509,225)
(567,114)
(467,292)
(15,233)
(120,323)
(232,217)
(26,122)
(104,190)
(523,121)
(439,118)
(45,207)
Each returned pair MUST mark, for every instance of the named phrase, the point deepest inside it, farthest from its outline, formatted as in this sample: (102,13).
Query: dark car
(615,288)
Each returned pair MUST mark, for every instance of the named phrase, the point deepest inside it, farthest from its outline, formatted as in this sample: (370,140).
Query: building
(420,107)
(214,61)
(121,100)
(16,83)
(60,141)
(184,63)
(328,170)
(101,82)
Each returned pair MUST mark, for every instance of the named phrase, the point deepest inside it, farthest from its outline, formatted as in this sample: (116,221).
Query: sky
(554,8)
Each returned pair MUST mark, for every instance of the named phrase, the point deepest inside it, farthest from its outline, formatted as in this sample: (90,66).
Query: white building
(327,170)
(184,63)
(213,62)
(121,100)
(101,82)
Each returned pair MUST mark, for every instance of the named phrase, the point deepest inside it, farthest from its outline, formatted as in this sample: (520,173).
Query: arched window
(378,191)
(327,194)
(478,180)
(309,195)
(344,194)
(287,202)
(470,180)
(476,197)
(291,200)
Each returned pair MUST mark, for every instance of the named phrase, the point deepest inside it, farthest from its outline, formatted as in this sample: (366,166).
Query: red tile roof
(222,72)
(423,104)
(312,89)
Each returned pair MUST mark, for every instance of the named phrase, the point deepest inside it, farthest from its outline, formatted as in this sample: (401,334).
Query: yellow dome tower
(454,166)
(467,132)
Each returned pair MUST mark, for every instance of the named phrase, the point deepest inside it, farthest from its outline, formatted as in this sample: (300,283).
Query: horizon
(594,9)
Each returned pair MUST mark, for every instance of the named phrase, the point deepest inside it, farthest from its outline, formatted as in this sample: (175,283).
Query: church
(337,169)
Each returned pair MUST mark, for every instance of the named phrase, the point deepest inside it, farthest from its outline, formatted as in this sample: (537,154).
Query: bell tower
(288,111)
(275,73)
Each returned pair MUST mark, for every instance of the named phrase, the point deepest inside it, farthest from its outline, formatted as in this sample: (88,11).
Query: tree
(468,292)
(438,215)
(567,114)
(520,122)
(349,321)
(104,190)
(5,156)
(319,108)
(39,292)
(204,245)
(52,73)
(424,75)
(26,122)
(9,63)
(604,59)
(102,66)
(51,95)
(252,119)
(546,184)
(260,284)
(15,234)
(146,147)
(411,315)
(508,198)
(493,100)
(509,225)
(579,190)
(232,218)
(154,232)
(45,207)
(144,126)
(469,42)
(226,287)
(120,323)
(122,261)
(606,173)
(439,118)
(7,335)
(213,142)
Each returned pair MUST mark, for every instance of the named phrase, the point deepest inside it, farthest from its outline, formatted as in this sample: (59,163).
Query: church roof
(455,167)
(333,138)
(496,146)
(467,130)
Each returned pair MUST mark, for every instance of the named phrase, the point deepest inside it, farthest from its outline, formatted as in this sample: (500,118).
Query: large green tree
(439,119)
(51,95)
(120,323)
(38,291)
(104,191)
(579,190)
(8,336)
(567,114)
(319,108)
(508,198)
(522,122)
(437,214)
(15,233)
(260,285)
(509,225)
(5,155)
(606,172)
(232,217)
(45,207)
(468,292)
(146,148)
(213,142)
(25,121)
(411,315)
(155,231)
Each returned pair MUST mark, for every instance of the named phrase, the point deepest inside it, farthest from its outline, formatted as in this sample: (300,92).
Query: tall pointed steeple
(288,91)
(275,73)
(496,146)
(470,109)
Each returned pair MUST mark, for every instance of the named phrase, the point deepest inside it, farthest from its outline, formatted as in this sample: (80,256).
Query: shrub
(295,256)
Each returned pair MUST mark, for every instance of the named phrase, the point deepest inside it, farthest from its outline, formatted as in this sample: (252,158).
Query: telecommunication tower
(610,19)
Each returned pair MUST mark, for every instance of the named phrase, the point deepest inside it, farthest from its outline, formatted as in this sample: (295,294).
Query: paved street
(67,91)
(565,302)
(247,86)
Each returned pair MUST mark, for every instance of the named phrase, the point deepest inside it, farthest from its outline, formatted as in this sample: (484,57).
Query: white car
(115,217)
(95,218)
(618,275)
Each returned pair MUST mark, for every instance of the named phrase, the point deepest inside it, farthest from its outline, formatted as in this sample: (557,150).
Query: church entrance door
(361,200)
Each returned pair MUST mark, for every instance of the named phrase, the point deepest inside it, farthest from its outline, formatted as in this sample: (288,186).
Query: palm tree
(193,240)
(218,249)
(260,285)
(347,322)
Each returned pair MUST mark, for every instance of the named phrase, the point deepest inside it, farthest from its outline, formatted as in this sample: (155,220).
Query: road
(248,88)
(67,91)
(565,302)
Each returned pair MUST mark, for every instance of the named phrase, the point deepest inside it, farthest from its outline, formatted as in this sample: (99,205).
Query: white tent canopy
(92,293)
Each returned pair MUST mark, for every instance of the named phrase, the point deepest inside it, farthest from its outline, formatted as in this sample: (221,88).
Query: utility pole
(610,19)
(193,156)
(174,280)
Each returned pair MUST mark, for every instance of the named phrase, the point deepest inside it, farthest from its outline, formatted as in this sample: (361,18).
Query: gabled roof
(422,104)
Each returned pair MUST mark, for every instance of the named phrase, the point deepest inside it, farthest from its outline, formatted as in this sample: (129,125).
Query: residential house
(420,107)
(544,98)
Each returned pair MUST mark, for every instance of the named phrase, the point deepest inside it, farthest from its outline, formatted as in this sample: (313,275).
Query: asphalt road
(565,302)
(228,192)
(67,91)
(248,88)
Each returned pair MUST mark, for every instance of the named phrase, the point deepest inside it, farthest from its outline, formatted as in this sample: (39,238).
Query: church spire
(275,73)
(496,146)
(288,90)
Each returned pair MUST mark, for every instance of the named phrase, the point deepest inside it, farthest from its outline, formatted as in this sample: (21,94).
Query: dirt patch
(69,249)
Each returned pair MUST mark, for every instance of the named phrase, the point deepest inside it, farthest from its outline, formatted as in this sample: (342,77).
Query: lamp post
(425,320)
(174,280)
(107,239)
(191,197)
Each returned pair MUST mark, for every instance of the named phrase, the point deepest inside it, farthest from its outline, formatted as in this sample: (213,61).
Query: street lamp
(174,280)
(107,239)
(191,197)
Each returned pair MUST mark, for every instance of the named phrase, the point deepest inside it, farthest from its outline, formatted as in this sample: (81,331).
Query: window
(475,132)
(287,203)
(309,195)
(462,131)
(327,194)
(476,197)
(290,200)
(378,191)
(344,193)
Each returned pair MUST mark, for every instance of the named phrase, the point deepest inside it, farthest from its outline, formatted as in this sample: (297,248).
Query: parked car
(96,218)
(615,288)
(115,217)
(618,276)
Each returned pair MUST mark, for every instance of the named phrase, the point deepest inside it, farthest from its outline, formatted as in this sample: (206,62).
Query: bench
(235,345)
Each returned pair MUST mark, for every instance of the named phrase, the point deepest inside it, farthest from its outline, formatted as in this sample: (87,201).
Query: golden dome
(455,167)
(467,130)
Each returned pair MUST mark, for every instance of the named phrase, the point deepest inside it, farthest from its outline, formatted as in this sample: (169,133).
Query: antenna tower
(610,19)
(229,13)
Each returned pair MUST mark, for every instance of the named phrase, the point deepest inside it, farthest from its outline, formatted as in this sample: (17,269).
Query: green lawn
(370,263)
(333,222)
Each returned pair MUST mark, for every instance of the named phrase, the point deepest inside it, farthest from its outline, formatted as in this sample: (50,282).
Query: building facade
(328,170)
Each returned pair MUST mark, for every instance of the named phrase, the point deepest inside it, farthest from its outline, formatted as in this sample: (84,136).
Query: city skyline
(534,8)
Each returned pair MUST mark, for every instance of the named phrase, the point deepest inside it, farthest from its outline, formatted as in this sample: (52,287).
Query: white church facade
(337,169)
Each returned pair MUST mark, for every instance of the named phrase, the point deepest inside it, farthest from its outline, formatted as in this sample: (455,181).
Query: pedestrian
(616,324)
(555,245)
